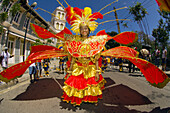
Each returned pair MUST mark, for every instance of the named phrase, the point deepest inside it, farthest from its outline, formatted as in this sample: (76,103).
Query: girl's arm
(71,67)
(97,71)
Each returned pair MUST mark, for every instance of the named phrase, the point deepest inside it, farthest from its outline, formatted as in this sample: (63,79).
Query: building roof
(28,8)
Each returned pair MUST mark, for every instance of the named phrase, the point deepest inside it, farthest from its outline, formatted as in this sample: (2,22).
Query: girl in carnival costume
(83,81)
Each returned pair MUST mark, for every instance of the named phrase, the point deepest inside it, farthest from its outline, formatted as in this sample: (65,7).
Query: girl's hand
(68,76)
(97,76)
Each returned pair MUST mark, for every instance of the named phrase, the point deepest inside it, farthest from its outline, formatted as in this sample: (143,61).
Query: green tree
(37,42)
(166,16)
(139,12)
(49,41)
(161,34)
(111,43)
(4,15)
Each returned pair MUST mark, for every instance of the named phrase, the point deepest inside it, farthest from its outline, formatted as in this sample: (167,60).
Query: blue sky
(151,6)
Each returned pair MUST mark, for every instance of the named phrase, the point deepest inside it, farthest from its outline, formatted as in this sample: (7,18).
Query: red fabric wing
(38,53)
(15,71)
(164,5)
(125,38)
(153,74)
(41,32)
(60,35)
(44,51)
(96,15)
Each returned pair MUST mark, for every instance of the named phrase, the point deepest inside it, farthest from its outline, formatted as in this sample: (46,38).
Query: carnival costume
(46,66)
(81,86)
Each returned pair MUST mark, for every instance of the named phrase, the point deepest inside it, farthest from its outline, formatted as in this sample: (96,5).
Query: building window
(61,26)
(59,15)
(21,48)
(17,16)
(6,9)
(10,46)
(62,16)
(57,26)
(26,21)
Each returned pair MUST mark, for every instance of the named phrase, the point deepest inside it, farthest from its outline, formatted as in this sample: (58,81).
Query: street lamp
(32,6)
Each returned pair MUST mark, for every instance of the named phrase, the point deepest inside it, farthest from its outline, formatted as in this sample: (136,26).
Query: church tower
(58,19)
(58,22)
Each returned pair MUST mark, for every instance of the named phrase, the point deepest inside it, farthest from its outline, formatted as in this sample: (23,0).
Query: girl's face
(84,31)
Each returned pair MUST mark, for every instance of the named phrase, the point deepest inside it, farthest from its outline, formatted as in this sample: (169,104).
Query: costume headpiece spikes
(111,20)
(78,17)
(107,5)
(47,12)
(60,4)
(66,2)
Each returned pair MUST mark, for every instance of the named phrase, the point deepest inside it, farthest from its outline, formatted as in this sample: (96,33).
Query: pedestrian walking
(32,71)
(164,57)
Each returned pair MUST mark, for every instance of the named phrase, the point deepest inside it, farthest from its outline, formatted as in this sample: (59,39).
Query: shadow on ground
(114,98)
(135,75)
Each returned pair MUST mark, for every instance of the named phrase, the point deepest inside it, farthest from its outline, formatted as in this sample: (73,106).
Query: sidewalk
(26,76)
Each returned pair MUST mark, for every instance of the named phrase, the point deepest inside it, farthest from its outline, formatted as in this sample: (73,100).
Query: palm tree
(139,12)
(13,10)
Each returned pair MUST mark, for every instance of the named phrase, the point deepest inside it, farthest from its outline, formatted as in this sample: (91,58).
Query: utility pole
(118,27)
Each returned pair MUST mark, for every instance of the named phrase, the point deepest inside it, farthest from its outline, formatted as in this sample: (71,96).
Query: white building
(18,26)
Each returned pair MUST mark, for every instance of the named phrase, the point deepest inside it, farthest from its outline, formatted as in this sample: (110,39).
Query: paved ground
(124,93)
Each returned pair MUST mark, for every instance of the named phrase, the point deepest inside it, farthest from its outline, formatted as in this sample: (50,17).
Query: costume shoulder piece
(79,47)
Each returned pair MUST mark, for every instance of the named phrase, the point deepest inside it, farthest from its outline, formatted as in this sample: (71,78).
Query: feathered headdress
(78,17)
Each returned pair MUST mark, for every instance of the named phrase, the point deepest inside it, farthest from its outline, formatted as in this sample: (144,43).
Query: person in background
(39,69)
(131,65)
(164,57)
(61,65)
(120,63)
(32,71)
(104,64)
(109,62)
(5,56)
(157,56)
(46,66)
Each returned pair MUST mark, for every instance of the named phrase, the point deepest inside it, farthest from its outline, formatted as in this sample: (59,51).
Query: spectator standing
(131,65)
(164,57)
(32,71)
(120,63)
(157,57)
(46,66)
(5,56)
(61,64)
(39,69)
(104,64)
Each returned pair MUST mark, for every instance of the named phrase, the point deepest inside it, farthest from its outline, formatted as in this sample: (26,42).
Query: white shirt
(164,54)
(33,64)
(5,59)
